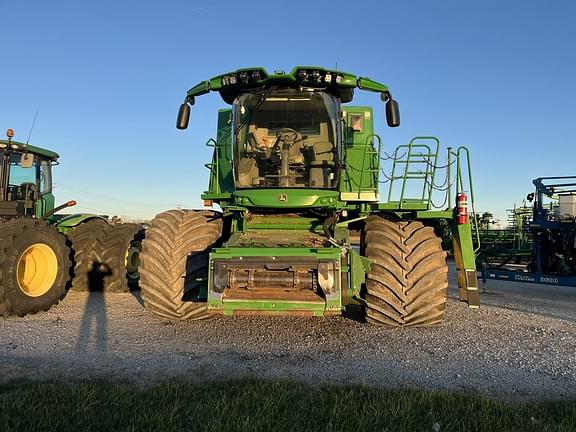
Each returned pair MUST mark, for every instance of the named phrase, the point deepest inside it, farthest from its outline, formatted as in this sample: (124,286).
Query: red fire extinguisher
(462,208)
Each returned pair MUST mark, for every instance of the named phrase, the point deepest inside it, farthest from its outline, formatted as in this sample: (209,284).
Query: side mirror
(183,116)
(392,113)
(27,160)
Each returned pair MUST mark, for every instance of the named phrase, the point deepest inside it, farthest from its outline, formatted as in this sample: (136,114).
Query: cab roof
(339,83)
(47,154)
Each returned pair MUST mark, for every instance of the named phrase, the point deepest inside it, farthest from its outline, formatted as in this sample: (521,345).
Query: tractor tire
(119,250)
(174,256)
(3,305)
(84,241)
(35,267)
(408,280)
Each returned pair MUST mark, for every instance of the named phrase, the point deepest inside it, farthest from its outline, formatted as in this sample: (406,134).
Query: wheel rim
(37,270)
(133,260)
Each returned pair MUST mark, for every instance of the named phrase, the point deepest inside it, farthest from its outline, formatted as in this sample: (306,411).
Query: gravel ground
(520,344)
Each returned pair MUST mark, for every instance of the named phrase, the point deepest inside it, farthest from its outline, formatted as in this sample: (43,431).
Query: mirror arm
(385,96)
(370,85)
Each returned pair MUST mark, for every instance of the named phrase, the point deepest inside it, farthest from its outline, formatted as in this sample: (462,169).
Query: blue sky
(107,78)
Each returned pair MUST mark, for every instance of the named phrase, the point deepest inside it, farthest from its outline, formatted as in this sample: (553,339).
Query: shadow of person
(138,296)
(95,322)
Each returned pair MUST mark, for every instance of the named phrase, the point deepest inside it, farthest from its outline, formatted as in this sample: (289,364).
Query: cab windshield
(26,183)
(286,138)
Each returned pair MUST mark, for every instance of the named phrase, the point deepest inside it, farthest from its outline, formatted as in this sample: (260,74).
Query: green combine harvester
(42,253)
(302,228)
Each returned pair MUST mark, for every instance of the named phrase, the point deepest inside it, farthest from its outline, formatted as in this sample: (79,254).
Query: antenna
(32,127)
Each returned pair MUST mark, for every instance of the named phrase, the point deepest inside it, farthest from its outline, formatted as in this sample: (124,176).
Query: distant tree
(483,220)
(486,219)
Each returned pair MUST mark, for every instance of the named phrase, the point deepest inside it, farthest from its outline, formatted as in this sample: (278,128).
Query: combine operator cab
(286,138)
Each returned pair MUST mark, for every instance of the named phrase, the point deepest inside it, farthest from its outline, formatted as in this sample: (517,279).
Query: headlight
(317,76)
(243,77)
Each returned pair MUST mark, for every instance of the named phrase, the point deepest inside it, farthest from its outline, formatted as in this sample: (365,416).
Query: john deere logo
(282,198)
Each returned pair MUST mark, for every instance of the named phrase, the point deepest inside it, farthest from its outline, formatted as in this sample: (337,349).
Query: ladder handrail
(427,156)
(213,166)
(369,143)
(460,153)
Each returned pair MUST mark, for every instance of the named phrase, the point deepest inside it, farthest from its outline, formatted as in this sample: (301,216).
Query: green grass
(257,405)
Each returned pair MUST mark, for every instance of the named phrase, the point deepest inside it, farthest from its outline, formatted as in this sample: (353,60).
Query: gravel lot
(520,344)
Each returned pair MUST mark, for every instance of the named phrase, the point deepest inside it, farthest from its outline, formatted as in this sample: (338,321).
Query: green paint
(359,267)
(45,203)
(362,152)
(370,85)
(286,198)
(232,252)
(67,223)
(271,307)
(464,257)
(221,178)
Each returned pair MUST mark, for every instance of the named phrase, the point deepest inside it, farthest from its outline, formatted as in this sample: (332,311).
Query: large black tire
(408,280)
(83,240)
(174,255)
(4,311)
(119,250)
(101,254)
(35,267)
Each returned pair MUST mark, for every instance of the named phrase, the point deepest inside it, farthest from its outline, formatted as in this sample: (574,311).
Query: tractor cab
(25,179)
(286,138)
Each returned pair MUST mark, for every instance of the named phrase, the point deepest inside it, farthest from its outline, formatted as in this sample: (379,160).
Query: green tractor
(300,228)
(43,253)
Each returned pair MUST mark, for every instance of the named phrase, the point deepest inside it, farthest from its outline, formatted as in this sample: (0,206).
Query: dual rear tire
(36,265)
(106,256)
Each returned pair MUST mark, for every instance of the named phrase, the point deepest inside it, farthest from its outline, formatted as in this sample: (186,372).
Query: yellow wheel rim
(37,270)
(132,260)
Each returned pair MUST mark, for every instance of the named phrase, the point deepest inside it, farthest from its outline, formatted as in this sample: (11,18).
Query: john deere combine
(37,260)
(302,230)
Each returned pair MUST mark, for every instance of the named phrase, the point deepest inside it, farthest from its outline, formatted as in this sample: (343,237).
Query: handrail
(460,151)
(368,144)
(428,156)
(213,166)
